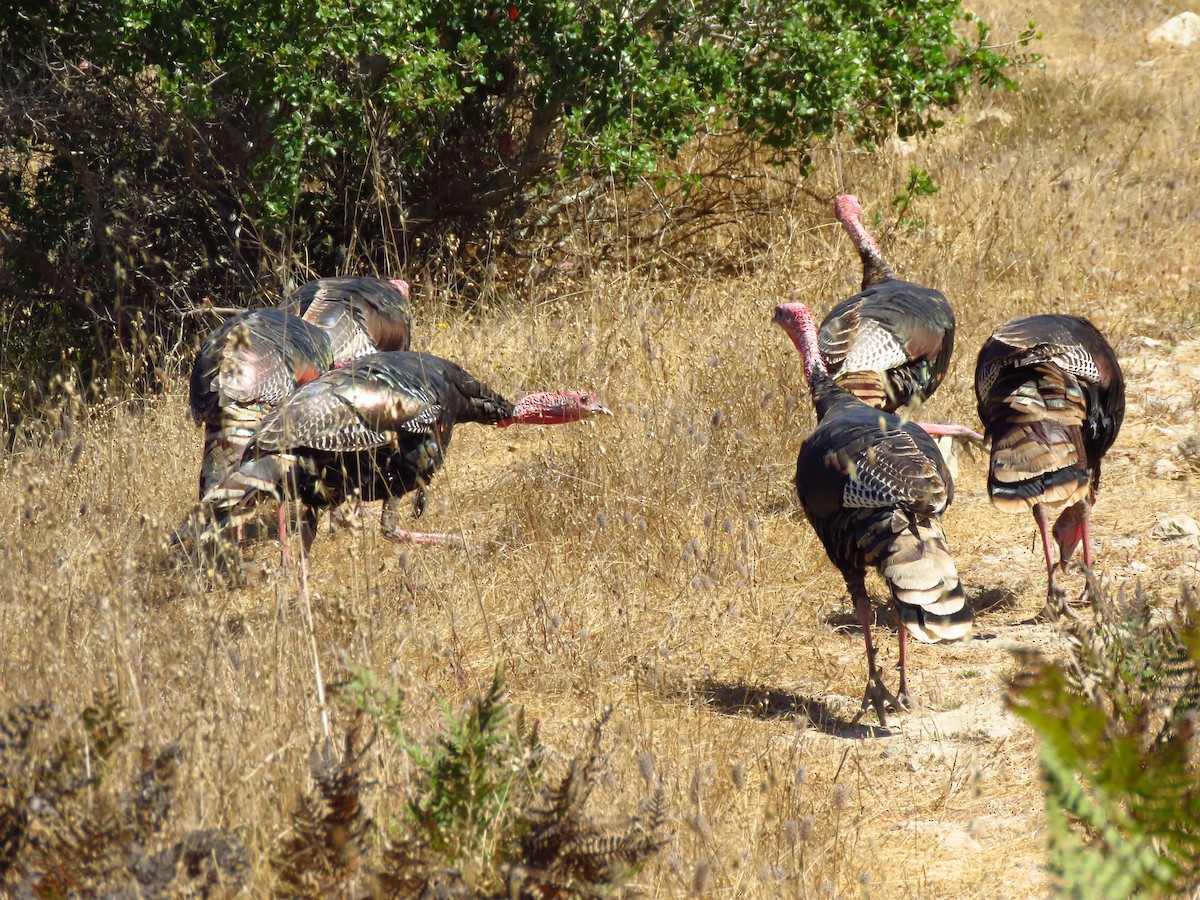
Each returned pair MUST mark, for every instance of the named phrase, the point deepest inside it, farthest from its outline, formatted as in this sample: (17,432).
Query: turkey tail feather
(225,443)
(924,581)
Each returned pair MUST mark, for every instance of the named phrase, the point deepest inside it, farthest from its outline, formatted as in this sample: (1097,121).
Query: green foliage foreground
(155,153)
(478,819)
(1120,755)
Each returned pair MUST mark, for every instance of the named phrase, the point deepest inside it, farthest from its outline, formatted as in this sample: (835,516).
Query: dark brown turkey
(246,367)
(1051,398)
(361,315)
(874,487)
(889,344)
(376,429)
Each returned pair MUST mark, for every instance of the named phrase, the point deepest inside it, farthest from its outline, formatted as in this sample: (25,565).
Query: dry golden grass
(657,561)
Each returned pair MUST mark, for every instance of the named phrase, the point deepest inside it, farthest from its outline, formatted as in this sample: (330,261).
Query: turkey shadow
(768,704)
(992,599)
(884,617)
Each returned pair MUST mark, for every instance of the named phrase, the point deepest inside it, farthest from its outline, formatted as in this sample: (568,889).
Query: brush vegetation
(1119,752)
(157,156)
(656,562)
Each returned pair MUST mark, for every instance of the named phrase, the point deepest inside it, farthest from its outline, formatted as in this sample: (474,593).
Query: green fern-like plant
(476,777)
(1119,755)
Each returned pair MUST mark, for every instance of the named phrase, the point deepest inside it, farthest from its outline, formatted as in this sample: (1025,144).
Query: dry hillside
(657,561)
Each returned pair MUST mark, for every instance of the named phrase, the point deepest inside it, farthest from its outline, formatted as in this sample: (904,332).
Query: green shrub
(480,817)
(1119,754)
(158,153)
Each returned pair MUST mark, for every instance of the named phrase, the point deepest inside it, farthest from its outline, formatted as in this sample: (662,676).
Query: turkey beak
(602,410)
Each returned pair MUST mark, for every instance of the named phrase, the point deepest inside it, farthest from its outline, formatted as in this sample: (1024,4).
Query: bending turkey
(1051,398)
(889,344)
(874,488)
(377,429)
(244,368)
(361,315)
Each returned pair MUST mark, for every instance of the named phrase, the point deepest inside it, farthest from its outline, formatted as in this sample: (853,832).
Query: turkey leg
(1055,604)
(877,696)
(389,526)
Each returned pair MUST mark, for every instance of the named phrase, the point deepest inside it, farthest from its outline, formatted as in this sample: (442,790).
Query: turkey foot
(433,539)
(1057,606)
(961,432)
(879,698)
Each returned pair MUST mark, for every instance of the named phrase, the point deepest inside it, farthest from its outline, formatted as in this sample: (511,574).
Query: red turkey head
(401,285)
(847,209)
(797,320)
(555,408)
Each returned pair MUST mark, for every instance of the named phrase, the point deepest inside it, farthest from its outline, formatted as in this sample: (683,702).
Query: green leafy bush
(1119,754)
(481,819)
(155,153)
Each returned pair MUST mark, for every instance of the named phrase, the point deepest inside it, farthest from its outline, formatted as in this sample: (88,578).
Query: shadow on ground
(764,703)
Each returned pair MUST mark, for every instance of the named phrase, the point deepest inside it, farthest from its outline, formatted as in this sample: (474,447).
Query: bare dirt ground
(658,562)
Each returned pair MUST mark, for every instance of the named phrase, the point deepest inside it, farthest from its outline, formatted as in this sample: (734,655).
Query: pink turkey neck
(552,408)
(797,320)
(401,285)
(850,213)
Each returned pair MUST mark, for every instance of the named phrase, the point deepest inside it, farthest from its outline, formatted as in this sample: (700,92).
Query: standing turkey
(874,487)
(889,344)
(361,315)
(377,429)
(1051,398)
(246,367)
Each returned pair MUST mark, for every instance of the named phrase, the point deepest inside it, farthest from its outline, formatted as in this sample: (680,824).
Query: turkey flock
(321,403)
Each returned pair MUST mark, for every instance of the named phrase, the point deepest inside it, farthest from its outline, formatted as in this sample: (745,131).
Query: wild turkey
(889,344)
(874,487)
(362,315)
(377,429)
(1051,398)
(245,367)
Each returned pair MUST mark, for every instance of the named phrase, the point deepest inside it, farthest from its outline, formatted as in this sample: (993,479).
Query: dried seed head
(645,764)
(841,797)
(738,775)
(701,877)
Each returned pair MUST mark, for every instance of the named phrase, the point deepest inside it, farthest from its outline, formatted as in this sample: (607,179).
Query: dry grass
(657,561)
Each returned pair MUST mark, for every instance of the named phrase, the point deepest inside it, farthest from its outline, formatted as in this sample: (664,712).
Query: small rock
(1182,30)
(945,444)
(1189,447)
(1164,468)
(1174,528)
(960,840)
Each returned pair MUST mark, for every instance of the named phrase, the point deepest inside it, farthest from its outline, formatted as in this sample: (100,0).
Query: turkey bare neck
(797,320)
(850,213)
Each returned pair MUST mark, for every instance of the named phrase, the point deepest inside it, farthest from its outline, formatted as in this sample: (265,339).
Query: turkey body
(890,344)
(361,315)
(874,487)
(1051,397)
(244,368)
(374,429)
